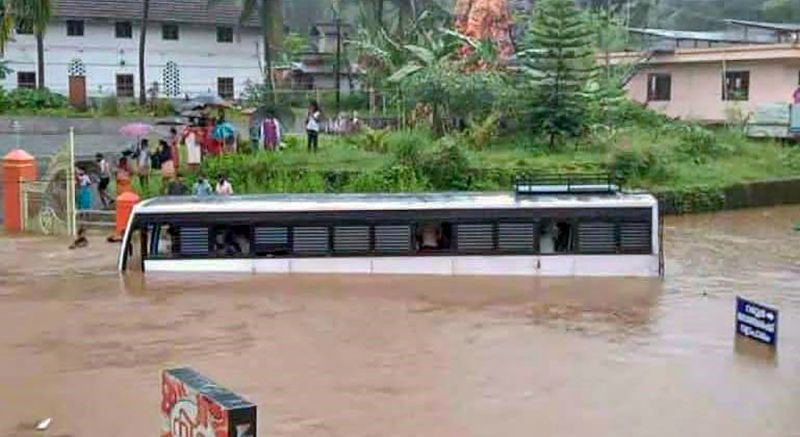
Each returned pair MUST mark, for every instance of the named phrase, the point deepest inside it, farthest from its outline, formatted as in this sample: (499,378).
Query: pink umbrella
(135,130)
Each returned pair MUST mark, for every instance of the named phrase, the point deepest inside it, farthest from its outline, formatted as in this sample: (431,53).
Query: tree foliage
(558,60)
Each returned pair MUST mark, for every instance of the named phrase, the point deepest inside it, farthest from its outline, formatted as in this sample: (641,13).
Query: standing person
(173,141)
(224,188)
(312,126)
(270,132)
(123,176)
(143,163)
(177,187)
(105,178)
(167,166)
(201,187)
(84,197)
(193,152)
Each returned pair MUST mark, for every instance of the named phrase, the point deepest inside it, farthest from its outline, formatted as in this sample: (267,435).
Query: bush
(109,106)
(163,108)
(697,142)
(448,166)
(23,98)
(636,162)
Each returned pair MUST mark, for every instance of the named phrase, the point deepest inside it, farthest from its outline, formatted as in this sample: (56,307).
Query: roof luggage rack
(573,183)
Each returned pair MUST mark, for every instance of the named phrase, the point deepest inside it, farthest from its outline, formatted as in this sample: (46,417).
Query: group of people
(142,158)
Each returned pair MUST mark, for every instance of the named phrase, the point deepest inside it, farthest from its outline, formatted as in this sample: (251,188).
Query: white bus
(538,230)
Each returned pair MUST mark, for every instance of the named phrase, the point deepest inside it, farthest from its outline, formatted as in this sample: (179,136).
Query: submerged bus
(556,229)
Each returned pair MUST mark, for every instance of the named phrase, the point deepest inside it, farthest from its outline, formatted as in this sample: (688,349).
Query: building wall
(697,87)
(200,58)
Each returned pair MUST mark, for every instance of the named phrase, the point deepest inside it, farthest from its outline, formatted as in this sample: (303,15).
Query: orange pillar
(125,203)
(18,166)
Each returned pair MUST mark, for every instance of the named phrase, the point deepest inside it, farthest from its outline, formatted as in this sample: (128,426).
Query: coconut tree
(270,15)
(142,44)
(35,14)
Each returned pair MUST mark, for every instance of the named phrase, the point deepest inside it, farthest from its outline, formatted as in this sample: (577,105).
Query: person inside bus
(547,239)
(563,233)
(429,237)
(165,243)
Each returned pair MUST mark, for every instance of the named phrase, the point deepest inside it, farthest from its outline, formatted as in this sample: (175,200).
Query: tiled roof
(181,11)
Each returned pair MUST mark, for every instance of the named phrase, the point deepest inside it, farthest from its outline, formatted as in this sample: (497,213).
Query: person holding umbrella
(225,133)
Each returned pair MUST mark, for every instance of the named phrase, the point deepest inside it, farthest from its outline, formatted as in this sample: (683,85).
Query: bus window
(231,241)
(271,241)
(434,236)
(164,241)
(556,237)
(136,250)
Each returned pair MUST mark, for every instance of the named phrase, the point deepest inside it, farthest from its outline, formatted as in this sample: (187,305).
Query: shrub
(698,143)
(633,162)
(447,167)
(23,98)
(109,106)
(163,108)
(481,133)
(374,140)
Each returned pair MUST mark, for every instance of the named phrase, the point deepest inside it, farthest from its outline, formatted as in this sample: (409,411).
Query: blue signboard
(756,321)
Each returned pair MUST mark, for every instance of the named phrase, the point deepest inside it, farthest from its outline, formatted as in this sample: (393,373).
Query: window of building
(123,29)
(659,87)
(224,34)
(171,79)
(736,85)
(74,27)
(26,79)
(124,85)
(225,87)
(169,32)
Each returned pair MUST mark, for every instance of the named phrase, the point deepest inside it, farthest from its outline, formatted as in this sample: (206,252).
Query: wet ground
(398,356)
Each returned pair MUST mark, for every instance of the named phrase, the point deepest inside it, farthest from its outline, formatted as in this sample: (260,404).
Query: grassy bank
(686,161)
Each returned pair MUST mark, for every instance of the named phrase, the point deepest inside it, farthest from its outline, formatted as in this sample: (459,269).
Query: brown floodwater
(399,356)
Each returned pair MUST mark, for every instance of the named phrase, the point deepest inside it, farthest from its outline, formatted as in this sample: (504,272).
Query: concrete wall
(697,87)
(200,57)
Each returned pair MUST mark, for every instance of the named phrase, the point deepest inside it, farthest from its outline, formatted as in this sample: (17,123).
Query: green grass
(658,160)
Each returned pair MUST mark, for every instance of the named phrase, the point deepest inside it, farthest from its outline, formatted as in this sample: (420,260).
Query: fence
(45,208)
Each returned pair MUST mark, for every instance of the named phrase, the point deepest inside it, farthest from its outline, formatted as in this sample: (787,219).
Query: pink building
(706,84)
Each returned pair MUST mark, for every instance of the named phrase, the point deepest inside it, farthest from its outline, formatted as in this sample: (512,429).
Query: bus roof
(387,202)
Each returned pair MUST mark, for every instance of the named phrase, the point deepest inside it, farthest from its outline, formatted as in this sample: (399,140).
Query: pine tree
(559,57)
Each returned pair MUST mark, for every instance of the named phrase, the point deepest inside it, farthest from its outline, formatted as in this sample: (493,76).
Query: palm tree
(142,42)
(35,14)
(270,14)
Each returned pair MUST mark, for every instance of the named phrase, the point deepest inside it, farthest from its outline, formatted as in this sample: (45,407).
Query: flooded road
(397,356)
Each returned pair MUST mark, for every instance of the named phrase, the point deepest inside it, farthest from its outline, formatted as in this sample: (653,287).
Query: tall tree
(270,13)
(142,45)
(35,15)
(559,58)
(6,25)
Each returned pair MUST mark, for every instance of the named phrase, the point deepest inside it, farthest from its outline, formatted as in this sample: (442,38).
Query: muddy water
(394,356)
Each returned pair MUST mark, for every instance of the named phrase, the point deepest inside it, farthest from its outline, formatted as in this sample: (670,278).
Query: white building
(191,49)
